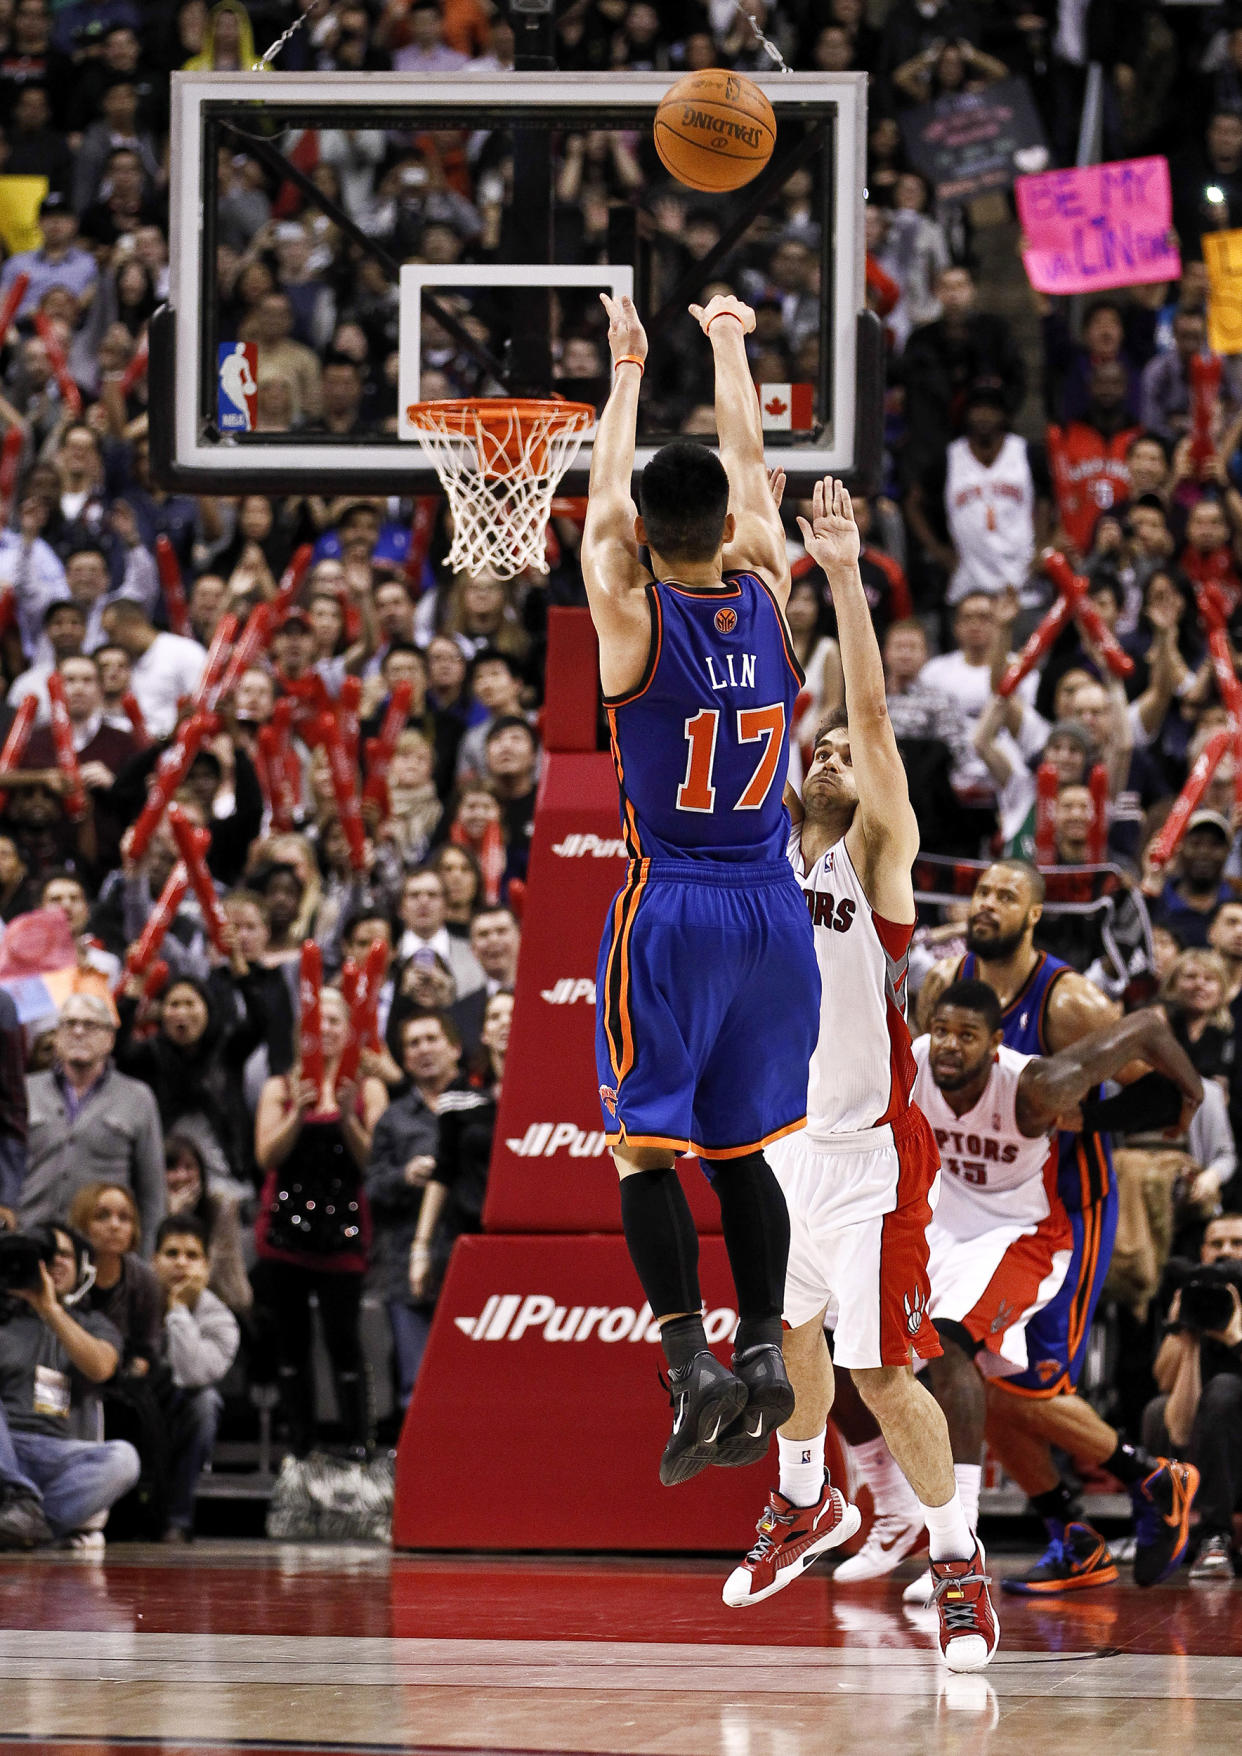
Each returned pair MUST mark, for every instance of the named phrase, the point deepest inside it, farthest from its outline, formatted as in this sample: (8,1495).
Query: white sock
(949,1534)
(968,1477)
(802,1468)
(891,1493)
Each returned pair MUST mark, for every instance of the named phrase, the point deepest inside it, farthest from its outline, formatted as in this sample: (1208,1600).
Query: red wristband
(629,360)
(718,316)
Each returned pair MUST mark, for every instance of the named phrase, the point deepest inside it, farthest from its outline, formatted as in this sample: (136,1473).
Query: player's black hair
(1034,877)
(973,997)
(683,496)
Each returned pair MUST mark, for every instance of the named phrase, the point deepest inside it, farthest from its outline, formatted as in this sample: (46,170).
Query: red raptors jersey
(1090,474)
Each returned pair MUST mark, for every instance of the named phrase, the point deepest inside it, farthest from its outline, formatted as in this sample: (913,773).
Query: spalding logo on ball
(714,130)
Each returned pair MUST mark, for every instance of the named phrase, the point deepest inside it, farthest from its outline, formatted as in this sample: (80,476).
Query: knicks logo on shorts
(726,620)
(1046,1370)
(608,1097)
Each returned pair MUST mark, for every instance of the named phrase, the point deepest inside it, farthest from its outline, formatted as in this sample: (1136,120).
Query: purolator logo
(510,1316)
(577,847)
(546,1139)
(568,990)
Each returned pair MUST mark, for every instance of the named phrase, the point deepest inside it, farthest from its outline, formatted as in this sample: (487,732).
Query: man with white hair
(88,1123)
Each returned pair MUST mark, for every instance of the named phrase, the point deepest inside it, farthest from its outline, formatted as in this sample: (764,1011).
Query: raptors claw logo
(916,1310)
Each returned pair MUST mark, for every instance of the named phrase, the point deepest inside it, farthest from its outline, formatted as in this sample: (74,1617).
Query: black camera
(1207,1301)
(21,1253)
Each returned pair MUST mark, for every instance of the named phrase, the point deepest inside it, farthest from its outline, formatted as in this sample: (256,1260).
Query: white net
(500,463)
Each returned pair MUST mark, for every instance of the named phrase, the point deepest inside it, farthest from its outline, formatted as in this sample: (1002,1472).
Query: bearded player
(860,1181)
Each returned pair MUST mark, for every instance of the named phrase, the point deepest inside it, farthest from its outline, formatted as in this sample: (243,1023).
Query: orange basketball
(714,130)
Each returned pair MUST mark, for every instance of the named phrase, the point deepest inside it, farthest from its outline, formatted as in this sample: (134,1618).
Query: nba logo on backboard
(238,399)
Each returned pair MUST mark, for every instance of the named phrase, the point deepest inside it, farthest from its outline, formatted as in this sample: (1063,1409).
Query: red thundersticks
(310,988)
(70,395)
(380,749)
(143,952)
(1166,843)
(170,771)
(344,787)
(8,311)
(169,569)
(10,457)
(138,725)
(361,988)
(18,737)
(1205,374)
(192,844)
(1073,602)
(281,768)
(136,369)
(66,755)
(1047,785)
(219,657)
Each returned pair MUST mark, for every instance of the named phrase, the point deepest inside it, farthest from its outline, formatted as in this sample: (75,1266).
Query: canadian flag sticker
(787,408)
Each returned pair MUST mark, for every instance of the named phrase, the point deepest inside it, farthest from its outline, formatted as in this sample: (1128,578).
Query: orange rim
(464,415)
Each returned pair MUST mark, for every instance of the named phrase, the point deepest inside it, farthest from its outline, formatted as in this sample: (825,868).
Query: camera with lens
(21,1254)
(1206,1303)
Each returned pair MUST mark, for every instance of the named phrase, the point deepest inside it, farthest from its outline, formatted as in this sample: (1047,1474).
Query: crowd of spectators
(151,1141)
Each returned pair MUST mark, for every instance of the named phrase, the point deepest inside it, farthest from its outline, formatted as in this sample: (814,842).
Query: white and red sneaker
(892,1537)
(790,1537)
(969,1630)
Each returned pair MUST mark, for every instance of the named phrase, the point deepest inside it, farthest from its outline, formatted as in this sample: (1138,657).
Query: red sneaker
(969,1631)
(790,1537)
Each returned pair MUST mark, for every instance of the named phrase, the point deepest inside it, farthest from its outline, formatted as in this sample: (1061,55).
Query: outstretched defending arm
(885,820)
(758,543)
(1051,1089)
(614,577)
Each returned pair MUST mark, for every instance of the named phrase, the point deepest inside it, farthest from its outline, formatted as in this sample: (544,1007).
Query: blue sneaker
(1070,1563)
(1162,1506)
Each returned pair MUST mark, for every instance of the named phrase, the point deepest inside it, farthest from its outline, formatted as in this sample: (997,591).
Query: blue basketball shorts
(1056,1337)
(707,1007)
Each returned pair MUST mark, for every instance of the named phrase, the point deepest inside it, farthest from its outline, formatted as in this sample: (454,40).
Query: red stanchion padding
(17,738)
(1205,376)
(13,299)
(1038,643)
(192,845)
(1046,788)
(170,771)
(1097,837)
(74,796)
(169,568)
(344,789)
(380,749)
(137,724)
(291,579)
(362,997)
(1169,839)
(310,990)
(142,953)
(70,395)
(572,694)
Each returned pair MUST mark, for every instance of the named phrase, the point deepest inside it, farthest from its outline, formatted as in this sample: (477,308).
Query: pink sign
(1101,226)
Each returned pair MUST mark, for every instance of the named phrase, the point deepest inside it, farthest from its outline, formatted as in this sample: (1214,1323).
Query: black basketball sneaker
(705,1397)
(769,1404)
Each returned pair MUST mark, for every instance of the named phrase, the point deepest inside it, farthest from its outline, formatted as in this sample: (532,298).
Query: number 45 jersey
(707,988)
(991,1174)
(701,746)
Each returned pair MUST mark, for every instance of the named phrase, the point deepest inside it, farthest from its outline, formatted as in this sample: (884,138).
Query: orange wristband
(629,360)
(717,318)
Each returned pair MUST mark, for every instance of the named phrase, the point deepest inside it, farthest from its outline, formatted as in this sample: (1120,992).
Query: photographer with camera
(52,1485)
(1199,1371)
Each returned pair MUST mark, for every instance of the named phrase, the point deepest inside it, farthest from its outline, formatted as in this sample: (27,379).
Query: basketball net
(500,460)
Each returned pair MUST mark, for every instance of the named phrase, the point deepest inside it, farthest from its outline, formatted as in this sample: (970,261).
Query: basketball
(714,130)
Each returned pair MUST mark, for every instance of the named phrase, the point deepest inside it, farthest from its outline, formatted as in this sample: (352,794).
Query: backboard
(463,227)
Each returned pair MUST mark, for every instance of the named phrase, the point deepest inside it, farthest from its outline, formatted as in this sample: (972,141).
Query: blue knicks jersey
(1084,1165)
(701,746)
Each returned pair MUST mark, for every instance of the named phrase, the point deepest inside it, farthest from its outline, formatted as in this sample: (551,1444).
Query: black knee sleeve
(755,1222)
(661,1239)
(948,1329)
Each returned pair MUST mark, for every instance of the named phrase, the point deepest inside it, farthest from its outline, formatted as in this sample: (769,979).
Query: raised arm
(1055,1086)
(885,823)
(614,577)
(758,543)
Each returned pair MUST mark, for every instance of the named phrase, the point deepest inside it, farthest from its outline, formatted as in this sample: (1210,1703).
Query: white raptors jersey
(991,1174)
(861,1071)
(991,516)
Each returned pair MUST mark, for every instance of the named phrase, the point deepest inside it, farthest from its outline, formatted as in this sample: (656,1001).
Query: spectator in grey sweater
(200,1343)
(90,1124)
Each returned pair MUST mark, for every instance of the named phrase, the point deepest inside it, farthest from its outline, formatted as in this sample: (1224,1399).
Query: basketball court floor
(234,1647)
